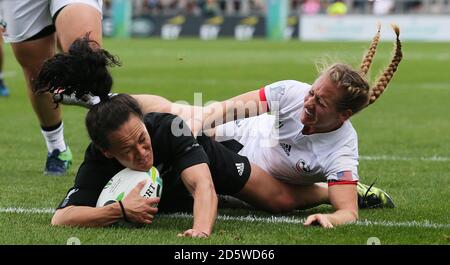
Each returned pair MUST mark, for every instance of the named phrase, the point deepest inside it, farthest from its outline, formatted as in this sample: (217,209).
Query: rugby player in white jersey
(308,138)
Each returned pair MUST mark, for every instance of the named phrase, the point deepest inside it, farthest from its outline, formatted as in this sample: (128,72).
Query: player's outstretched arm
(204,118)
(87,216)
(199,183)
(192,115)
(197,117)
(344,200)
(243,106)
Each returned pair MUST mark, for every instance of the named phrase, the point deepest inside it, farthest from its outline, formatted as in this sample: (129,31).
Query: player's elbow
(352,215)
(355,214)
(57,220)
(60,217)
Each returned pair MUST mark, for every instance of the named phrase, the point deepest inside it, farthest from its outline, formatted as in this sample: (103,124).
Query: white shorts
(26,18)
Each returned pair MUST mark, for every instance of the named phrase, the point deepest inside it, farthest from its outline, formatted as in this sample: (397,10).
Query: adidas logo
(286,148)
(240,168)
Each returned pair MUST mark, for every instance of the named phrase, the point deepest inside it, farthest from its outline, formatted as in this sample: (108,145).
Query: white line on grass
(293,220)
(26,210)
(253,219)
(406,158)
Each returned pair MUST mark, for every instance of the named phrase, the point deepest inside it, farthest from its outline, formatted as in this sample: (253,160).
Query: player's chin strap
(86,101)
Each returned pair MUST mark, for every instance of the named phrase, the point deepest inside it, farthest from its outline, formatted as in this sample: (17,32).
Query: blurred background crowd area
(310,7)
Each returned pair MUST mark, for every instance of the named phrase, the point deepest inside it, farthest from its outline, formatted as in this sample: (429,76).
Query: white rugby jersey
(275,141)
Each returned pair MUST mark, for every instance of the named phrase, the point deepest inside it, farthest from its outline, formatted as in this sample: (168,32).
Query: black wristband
(123,211)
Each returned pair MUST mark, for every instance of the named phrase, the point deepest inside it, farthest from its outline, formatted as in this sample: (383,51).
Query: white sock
(55,139)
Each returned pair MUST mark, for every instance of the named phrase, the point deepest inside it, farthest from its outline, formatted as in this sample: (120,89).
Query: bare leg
(265,192)
(30,55)
(75,20)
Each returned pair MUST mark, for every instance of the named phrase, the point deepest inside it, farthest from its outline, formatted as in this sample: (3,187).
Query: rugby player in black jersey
(122,136)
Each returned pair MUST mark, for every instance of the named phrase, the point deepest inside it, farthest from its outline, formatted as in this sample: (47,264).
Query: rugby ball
(121,184)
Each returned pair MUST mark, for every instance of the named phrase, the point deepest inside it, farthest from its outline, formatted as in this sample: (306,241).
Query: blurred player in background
(4,91)
(33,28)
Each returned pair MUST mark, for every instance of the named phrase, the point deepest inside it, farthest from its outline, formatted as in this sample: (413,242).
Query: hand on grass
(193,233)
(318,219)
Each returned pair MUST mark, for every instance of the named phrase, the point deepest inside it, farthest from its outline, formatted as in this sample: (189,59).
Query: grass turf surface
(404,140)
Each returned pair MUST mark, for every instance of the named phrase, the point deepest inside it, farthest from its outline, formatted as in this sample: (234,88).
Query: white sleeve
(343,164)
(284,95)
(343,169)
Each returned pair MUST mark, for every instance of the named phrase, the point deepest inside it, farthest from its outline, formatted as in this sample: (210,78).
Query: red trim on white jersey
(332,183)
(262,97)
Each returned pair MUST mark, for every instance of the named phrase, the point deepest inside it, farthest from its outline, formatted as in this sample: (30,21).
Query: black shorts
(230,171)
(50,29)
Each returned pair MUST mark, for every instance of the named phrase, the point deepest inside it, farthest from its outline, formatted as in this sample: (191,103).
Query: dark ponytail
(82,70)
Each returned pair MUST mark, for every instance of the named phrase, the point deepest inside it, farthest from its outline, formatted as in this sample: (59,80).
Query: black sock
(51,128)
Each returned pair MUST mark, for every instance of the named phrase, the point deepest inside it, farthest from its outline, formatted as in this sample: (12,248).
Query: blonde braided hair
(357,92)
(388,73)
(367,61)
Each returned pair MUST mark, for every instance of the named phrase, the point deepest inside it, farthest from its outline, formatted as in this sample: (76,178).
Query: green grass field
(404,142)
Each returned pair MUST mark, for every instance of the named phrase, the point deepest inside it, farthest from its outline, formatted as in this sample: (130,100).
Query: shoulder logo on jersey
(277,91)
(66,200)
(345,175)
(301,166)
(286,148)
(195,144)
(71,192)
(240,168)
(108,184)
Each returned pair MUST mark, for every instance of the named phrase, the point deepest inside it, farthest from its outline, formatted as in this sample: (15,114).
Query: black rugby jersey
(172,154)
